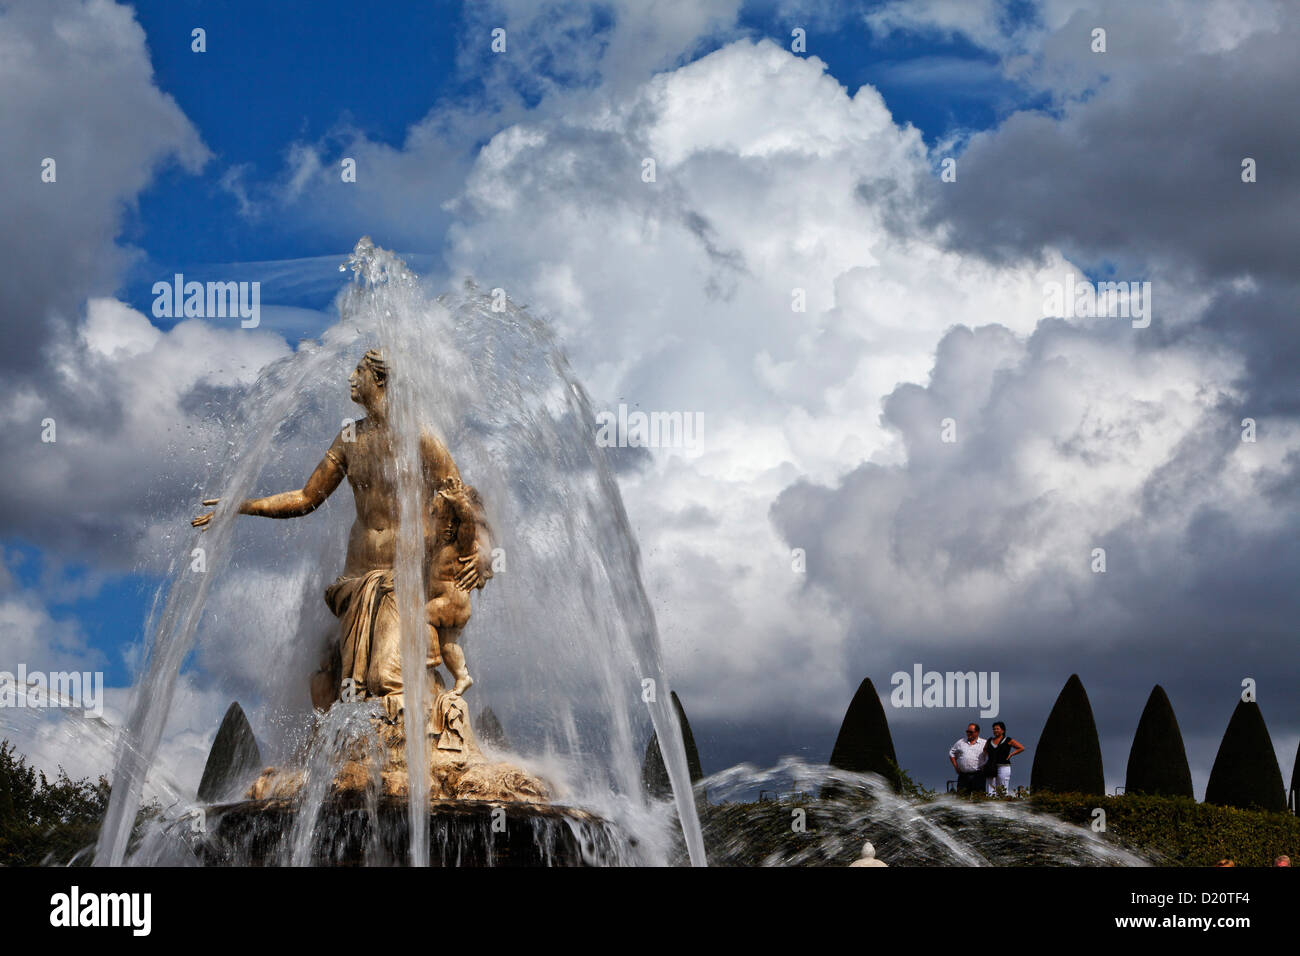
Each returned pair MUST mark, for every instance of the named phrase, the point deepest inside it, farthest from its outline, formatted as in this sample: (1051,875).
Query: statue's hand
(468,577)
(458,502)
(202,520)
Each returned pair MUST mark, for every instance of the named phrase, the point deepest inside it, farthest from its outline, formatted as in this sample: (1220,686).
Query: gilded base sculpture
(458,770)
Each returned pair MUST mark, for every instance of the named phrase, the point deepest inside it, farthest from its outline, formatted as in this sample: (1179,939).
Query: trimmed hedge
(864,744)
(490,731)
(234,756)
(1180,831)
(1245,772)
(1294,795)
(1068,756)
(1157,763)
(1168,831)
(654,775)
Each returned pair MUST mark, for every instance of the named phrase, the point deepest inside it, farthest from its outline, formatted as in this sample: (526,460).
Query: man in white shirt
(968,759)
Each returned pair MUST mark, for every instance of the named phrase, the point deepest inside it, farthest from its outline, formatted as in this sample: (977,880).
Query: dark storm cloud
(1140,170)
(1143,158)
(1258,321)
(976,555)
(1147,168)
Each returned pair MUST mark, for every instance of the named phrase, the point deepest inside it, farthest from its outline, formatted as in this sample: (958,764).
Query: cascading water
(174,630)
(389,292)
(562,641)
(944,831)
(336,732)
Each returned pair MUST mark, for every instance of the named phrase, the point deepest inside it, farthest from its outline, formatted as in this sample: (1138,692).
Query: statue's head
(370,381)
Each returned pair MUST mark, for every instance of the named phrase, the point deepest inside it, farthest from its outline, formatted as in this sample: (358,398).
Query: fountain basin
(352,830)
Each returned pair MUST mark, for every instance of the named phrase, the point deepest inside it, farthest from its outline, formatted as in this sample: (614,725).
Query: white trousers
(1003,780)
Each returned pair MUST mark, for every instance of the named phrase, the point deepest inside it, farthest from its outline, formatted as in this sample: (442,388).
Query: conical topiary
(1068,756)
(1245,772)
(864,744)
(1157,764)
(489,730)
(234,756)
(1295,783)
(654,775)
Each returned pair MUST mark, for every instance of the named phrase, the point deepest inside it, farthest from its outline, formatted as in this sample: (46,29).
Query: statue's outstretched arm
(292,504)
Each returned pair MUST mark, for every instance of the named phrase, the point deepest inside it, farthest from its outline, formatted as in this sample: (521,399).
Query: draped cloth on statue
(370,643)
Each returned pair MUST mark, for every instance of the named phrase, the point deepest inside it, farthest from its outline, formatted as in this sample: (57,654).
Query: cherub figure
(452,546)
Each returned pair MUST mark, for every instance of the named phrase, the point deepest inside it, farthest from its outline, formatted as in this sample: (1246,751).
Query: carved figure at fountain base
(458,769)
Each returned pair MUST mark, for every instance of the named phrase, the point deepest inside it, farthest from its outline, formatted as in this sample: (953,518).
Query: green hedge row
(1178,831)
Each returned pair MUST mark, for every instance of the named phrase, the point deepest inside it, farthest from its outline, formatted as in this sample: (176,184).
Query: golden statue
(366,663)
(457,545)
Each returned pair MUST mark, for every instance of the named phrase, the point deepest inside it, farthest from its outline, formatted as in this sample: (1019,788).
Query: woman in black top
(999,749)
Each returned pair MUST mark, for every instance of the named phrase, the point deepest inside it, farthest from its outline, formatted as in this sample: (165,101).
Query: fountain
(386,767)
(480,493)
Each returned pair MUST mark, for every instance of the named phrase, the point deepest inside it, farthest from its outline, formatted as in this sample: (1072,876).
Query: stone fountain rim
(443,807)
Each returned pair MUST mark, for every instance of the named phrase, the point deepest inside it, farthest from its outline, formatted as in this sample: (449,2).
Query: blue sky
(265,83)
(261,87)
